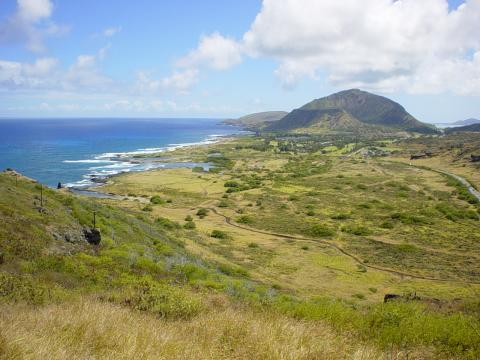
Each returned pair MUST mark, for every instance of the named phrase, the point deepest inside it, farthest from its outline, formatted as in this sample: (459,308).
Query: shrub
(167,224)
(147,208)
(189,225)
(189,218)
(340,216)
(231,184)
(219,234)
(245,219)
(387,225)
(320,230)
(223,204)
(359,296)
(357,230)
(202,212)
(22,288)
(166,301)
(409,219)
(156,200)
(253,245)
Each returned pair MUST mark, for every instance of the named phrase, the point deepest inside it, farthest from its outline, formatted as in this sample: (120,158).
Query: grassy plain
(284,250)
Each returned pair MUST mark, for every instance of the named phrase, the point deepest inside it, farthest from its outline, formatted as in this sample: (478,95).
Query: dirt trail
(402,274)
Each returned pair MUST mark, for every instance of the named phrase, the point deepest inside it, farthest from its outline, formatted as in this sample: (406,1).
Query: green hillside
(365,111)
(257,121)
(173,280)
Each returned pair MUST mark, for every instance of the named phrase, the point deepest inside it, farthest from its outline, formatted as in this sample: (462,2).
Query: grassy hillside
(466,128)
(257,121)
(205,265)
(365,111)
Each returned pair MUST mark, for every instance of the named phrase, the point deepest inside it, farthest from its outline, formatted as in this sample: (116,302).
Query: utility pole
(94,219)
(41,196)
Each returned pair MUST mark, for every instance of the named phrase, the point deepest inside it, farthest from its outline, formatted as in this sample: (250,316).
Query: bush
(147,208)
(189,218)
(157,200)
(202,212)
(245,219)
(231,184)
(409,219)
(320,230)
(340,216)
(219,234)
(167,301)
(20,288)
(189,225)
(223,204)
(357,230)
(167,224)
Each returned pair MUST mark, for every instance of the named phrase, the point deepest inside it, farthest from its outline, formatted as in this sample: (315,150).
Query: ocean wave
(114,163)
(88,161)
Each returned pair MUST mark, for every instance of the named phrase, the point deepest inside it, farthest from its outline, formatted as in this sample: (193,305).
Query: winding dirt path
(402,274)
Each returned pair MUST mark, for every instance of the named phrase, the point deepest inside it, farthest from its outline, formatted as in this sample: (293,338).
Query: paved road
(469,186)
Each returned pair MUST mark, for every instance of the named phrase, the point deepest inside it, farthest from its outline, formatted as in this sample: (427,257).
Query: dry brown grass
(90,329)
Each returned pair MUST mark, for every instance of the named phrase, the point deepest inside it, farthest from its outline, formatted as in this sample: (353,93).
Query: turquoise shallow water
(72,151)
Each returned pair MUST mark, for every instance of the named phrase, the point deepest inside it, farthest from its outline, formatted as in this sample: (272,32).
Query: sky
(222,59)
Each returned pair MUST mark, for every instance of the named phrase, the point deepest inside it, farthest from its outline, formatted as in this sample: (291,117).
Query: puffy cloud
(383,44)
(17,75)
(34,10)
(214,51)
(30,24)
(386,45)
(179,81)
(45,74)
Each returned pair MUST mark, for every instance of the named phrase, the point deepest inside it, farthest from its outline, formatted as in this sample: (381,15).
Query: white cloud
(37,75)
(387,45)
(179,81)
(111,31)
(30,24)
(34,10)
(45,74)
(214,51)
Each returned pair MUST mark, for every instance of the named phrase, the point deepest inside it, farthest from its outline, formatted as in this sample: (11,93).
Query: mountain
(351,111)
(257,121)
(468,128)
(470,121)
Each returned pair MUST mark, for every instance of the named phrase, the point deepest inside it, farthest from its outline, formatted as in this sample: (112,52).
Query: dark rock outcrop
(92,236)
(475,158)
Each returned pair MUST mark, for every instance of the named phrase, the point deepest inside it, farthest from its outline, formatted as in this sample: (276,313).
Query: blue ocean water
(72,151)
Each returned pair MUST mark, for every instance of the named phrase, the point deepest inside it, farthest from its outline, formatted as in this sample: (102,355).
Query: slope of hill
(467,128)
(257,120)
(363,110)
(466,122)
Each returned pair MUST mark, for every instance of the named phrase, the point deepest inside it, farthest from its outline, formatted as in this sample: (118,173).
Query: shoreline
(94,190)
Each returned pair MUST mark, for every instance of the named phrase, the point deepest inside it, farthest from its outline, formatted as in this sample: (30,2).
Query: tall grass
(90,329)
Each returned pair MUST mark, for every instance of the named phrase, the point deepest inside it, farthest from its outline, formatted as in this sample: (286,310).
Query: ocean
(75,151)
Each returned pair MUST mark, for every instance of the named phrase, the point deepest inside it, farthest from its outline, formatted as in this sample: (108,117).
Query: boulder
(389,297)
(92,236)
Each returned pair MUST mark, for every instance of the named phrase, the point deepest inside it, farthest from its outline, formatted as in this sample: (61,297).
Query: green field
(297,241)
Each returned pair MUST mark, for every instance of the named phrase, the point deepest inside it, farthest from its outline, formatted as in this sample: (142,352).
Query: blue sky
(219,59)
